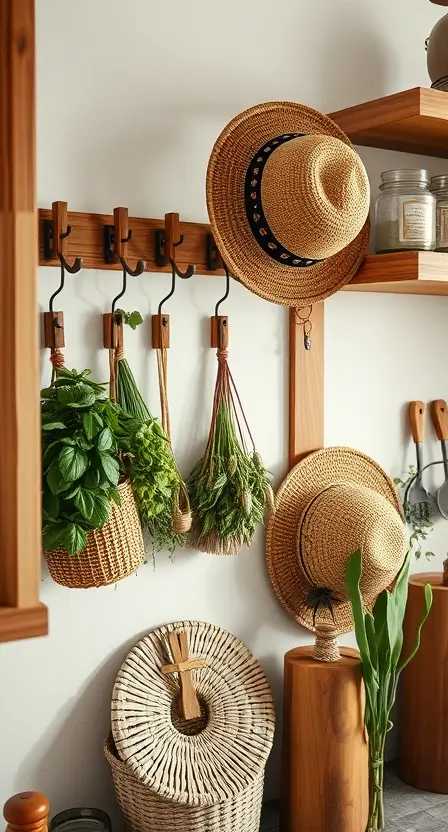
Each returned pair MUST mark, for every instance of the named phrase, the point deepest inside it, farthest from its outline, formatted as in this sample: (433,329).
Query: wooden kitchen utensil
(439,412)
(417,494)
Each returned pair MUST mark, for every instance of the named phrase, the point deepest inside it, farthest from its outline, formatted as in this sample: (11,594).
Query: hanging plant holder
(229,488)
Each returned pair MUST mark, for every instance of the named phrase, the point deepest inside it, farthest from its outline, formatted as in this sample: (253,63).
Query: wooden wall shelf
(403,273)
(414,121)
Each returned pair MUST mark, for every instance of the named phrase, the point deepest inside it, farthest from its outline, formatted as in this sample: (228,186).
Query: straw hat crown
(340,519)
(315,194)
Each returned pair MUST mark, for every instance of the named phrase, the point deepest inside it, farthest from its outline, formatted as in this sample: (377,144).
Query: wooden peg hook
(116,238)
(191,708)
(56,233)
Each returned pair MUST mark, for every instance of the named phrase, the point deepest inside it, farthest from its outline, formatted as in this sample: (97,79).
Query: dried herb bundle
(229,488)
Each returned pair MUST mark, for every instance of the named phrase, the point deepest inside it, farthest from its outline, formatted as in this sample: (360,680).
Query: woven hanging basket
(111,554)
(201,774)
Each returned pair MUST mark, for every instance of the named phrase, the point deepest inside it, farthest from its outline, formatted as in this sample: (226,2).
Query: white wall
(130,99)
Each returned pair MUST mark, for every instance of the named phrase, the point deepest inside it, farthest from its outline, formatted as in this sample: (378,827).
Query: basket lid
(200,762)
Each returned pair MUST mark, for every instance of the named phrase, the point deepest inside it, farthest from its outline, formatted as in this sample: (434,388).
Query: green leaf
(94,506)
(382,632)
(135,319)
(87,423)
(399,600)
(52,537)
(91,478)
(53,426)
(74,538)
(110,467)
(105,440)
(75,395)
(416,645)
(353,573)
(73,462)
(371,638)
(114,495)
(55,480)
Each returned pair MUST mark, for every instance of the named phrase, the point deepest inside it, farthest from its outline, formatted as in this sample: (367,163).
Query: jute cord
(182,517)
(57,361)
(326,646)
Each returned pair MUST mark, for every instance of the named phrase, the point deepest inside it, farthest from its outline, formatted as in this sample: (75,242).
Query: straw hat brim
(304,482)
(230,158)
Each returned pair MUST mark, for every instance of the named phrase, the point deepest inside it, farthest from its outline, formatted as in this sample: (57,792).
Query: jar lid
(416,176)
(439,183)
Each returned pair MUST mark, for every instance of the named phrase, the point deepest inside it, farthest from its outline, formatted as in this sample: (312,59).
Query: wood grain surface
(20,510)
(325,754)
(306,387)
(424,690)
(414,121)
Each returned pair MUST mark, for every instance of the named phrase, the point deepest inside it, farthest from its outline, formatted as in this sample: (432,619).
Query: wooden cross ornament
(191,708)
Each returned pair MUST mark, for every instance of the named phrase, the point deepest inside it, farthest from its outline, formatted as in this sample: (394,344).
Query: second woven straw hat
(288,201)
(333,502)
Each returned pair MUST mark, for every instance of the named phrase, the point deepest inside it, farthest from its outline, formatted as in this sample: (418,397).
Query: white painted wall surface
(130,99)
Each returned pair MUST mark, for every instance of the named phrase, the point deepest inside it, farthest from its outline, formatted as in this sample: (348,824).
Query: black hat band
(254,207)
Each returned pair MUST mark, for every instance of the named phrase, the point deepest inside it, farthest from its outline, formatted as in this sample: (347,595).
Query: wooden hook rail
(87,239)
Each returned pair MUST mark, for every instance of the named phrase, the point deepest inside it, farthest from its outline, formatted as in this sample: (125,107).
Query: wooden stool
(424,699)
(325,778)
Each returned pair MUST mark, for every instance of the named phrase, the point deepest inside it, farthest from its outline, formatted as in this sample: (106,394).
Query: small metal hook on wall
(116,238)
(56,232)
(166,243)
(219,334)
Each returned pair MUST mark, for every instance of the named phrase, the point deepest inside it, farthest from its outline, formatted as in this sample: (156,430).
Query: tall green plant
(380,641)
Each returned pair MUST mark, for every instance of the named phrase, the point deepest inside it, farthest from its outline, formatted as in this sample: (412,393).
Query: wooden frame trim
(306,387)
(21,614)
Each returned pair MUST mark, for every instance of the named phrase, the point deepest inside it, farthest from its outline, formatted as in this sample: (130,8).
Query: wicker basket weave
(201,774)
(111,554)
(144,811)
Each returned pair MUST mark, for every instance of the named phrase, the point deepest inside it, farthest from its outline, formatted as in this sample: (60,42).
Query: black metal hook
(189,272)
(59,289)
(140,267)
(124,287)
(48,248)
(77,265)
(226,294)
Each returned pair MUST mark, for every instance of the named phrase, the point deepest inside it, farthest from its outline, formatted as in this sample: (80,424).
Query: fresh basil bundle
(83,436)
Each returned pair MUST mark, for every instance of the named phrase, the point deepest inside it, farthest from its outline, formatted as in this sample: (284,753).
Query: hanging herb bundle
(155,478)
(230,487)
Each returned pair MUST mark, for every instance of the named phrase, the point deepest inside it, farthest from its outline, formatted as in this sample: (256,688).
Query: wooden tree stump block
(424,690)
(325,779)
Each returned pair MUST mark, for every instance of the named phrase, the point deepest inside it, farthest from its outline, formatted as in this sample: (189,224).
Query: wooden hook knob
(172,235)
(439,412)
(26,811)
(417,420)
(60,222)
(121,231)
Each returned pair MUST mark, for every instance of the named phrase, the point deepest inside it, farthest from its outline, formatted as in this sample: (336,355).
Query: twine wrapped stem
(326,646)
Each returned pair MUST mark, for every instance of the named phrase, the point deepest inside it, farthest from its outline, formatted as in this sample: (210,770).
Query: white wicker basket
(204,774)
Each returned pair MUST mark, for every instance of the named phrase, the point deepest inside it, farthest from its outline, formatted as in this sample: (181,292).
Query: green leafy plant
(380,641)
(421,525)
(229,488)
(156,480)
(84,436)
(132,319)
(128,394)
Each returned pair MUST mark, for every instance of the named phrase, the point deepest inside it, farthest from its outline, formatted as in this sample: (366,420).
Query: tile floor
(407,809)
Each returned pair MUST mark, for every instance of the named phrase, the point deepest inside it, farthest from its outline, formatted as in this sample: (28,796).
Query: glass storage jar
(405,212)
(439,187)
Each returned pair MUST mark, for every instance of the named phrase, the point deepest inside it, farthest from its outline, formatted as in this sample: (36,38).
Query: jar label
(442,225)
(416,221)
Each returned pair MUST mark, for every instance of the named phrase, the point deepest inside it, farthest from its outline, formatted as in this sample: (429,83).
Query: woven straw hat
(333,502)
(288,201)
